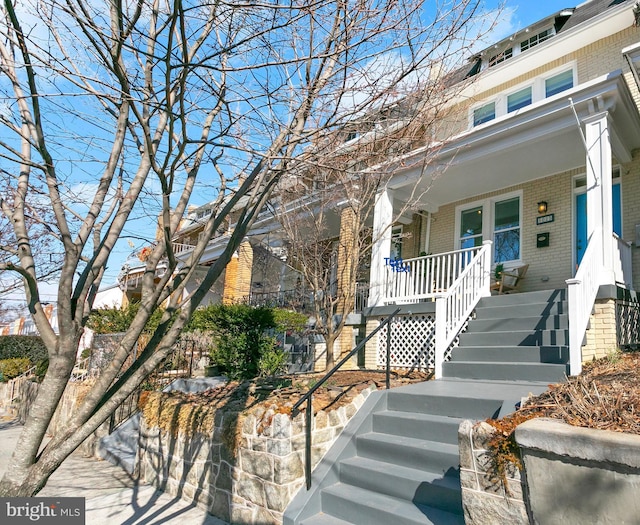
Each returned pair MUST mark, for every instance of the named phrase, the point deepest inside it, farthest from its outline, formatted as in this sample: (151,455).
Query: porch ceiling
(535,142)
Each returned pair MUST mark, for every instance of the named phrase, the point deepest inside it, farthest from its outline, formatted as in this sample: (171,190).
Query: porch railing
(179,247)
(582,291)
(622,258)
(455,305)
(412,280)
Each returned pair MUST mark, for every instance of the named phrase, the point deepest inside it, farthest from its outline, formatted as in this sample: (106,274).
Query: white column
(381,249)
(599,198)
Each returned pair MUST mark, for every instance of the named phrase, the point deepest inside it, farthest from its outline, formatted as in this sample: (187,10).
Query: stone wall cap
(562,439)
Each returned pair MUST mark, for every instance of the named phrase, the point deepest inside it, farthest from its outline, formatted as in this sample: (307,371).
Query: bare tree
(326,212)
(116,110)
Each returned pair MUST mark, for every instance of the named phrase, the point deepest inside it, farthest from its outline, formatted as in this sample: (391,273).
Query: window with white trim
(519,99)
(498,219)
(484,113)
(537,39)
(546,86)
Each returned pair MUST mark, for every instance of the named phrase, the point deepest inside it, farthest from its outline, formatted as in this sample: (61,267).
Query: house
(536,168)
(544,173)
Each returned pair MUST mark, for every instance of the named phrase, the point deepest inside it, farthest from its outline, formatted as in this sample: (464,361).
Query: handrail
(454,306)
(622,261)
(582,291)
(308,397)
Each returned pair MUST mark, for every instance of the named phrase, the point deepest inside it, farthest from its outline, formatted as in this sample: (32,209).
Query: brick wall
(601,335)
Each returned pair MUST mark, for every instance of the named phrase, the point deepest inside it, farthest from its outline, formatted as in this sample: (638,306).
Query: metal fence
(628,319)
(186,356)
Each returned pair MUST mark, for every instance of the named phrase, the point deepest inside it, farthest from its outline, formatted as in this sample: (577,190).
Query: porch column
(382,221)
(347,267)
(599,198)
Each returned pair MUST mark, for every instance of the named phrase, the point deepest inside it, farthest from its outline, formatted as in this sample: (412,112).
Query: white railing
(622,258)
(454,306)
(180,247)
(582,291)
(412,280)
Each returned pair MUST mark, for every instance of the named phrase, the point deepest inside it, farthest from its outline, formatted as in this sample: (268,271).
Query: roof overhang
(612,21)
(535,142)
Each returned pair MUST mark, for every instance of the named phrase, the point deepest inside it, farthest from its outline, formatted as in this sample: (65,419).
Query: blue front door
(581,226)
(581,219)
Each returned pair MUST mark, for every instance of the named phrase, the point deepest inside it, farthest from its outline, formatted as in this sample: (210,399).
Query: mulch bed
(605,396)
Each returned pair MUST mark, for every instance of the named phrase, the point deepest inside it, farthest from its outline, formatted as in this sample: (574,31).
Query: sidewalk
(112,497)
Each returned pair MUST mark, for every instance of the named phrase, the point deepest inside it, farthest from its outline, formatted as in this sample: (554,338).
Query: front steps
(521,336)
(397,461)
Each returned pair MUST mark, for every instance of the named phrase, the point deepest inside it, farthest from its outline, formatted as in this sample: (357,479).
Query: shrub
(115,320)
(273,362)
(13,367)
(31,346)
(240,335)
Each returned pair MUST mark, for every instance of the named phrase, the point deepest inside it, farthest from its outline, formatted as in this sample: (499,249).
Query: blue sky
(526,12)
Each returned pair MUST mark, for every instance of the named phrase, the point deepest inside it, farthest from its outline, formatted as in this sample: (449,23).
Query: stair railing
(454,306)
(308,397)
(582,291)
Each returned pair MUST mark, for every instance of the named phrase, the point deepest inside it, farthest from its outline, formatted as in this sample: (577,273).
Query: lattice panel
(628,323)
(412,345)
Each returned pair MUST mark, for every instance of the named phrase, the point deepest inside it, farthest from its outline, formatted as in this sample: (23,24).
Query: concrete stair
(397,461)
(515,337)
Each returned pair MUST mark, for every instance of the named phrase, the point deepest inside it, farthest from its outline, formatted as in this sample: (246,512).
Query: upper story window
(524,95)
(484,113)
(558,83)
(501,57)
(519,99)
(536,39)
(521,47)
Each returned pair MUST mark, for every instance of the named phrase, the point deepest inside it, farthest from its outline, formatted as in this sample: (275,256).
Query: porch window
(471,228)
(498,219)
(396,242)
(506,230)
(558,83)
(484,114)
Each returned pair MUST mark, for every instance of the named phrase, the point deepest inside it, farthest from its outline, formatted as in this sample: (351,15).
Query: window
(497,219)
(506,230)
(501,57)
(484,114)
(527,94)
(396,242)
(471,228)
(558,83)
(536,39)
(519,99)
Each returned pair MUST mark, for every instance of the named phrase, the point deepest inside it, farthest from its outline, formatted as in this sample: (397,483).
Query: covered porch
(553,151)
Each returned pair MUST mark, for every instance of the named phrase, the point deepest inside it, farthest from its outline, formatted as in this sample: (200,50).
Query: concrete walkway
(112,496)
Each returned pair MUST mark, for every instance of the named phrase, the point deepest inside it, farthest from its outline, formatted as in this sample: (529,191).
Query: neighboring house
(542,174)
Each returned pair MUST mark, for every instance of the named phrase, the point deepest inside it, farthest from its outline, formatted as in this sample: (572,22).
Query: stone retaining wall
(571,475)
(255,484)
(25,392)
(486,499)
